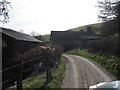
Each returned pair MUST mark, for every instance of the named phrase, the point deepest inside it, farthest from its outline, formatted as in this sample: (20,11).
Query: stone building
(67,40)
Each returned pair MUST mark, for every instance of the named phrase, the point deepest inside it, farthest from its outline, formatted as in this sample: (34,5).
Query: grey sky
(42,16)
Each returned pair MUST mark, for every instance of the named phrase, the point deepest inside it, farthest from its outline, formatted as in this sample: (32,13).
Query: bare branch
(4,11)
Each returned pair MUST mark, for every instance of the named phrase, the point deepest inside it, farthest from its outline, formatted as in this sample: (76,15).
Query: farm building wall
(58,47)
(23,46)
(8,50)
(71,39)
(12,47)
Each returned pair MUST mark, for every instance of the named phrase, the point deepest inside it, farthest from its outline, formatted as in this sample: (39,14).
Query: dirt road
(81,73)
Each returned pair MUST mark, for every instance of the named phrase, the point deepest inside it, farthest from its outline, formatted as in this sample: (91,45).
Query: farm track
(81,73)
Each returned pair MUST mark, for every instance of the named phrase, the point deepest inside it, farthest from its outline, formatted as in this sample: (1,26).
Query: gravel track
(81,73)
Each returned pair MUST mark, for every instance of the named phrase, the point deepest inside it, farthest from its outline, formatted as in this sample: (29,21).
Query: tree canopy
(4,11)
(109,9)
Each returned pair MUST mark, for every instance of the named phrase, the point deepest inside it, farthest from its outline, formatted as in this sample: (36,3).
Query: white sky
(42,16)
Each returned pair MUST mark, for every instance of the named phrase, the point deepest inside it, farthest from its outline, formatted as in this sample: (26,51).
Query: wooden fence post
(20,77)
(48,68)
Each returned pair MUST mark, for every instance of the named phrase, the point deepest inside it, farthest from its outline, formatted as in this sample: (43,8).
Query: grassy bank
(57,75)
(110,63)
(35,80)
(38,80)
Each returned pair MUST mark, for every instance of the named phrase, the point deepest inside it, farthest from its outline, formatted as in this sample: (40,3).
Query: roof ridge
(19,36)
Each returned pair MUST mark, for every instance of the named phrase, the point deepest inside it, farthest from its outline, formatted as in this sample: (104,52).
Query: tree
(39,37)
(4,11)
(110,15)
(21,31)
(33,33)
(109,9)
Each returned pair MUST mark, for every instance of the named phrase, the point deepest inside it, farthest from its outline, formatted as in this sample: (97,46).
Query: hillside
(45,38)
(95,27)
(104,29)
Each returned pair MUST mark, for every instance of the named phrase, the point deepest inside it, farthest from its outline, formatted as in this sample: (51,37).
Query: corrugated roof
(18,35)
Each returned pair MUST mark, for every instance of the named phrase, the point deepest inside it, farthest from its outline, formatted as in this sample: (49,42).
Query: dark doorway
(70,47)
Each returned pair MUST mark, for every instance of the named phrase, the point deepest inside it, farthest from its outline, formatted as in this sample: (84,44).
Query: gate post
(20,77)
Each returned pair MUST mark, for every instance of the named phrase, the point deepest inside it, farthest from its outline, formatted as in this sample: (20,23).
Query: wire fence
(21,71)
(40,58)
(19,64)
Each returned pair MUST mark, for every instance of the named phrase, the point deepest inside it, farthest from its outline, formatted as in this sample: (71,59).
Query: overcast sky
(42,16)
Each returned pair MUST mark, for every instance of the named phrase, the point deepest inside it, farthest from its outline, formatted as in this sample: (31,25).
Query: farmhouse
(66,40)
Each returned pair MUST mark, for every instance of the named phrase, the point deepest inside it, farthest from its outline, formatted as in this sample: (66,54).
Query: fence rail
(20,65)
(48,57)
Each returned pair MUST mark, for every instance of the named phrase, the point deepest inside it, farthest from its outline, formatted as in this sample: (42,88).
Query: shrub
(107,46)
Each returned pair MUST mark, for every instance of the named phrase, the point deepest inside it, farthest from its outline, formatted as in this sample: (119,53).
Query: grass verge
(57,75)
(38,80)
(110,63)
(35,80)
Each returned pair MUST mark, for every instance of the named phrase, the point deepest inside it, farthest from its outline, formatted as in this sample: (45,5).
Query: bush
(107,46)
(41,56)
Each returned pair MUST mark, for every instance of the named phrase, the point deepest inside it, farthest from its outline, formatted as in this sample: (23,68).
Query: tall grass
(111,63)
(38,80)
(57,75)
(35,80)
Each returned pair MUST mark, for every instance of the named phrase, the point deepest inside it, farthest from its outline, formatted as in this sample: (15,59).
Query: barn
(67,40)
(13,44)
